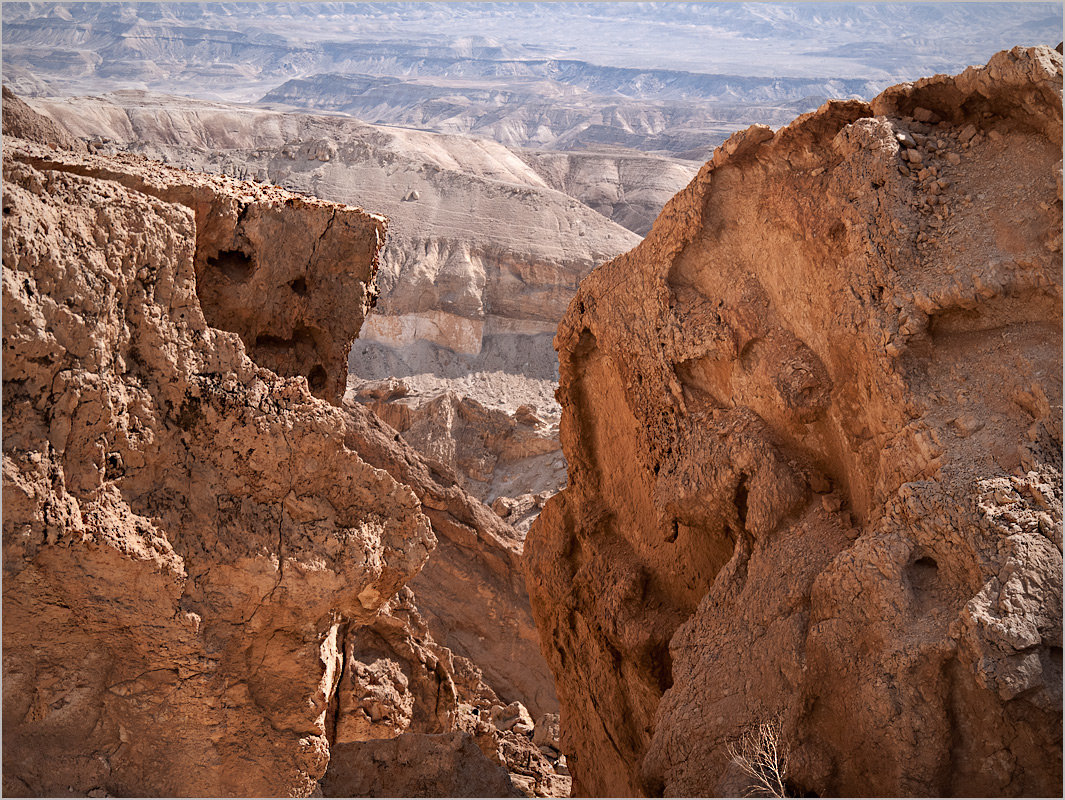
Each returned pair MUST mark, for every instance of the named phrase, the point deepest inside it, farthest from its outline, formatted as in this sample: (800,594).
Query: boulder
(514,717)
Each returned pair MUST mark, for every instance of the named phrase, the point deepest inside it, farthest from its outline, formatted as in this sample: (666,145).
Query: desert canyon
(298,499)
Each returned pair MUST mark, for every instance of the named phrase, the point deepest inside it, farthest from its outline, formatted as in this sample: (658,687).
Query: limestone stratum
(783,519)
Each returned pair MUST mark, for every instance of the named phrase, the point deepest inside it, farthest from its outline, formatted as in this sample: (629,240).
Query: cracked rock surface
(290,274)
(184,531)
(813,428)
(205,564)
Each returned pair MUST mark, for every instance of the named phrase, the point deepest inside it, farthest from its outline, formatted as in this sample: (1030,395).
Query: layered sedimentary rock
(483,253)
(199,555)
(813,426)
(626,187)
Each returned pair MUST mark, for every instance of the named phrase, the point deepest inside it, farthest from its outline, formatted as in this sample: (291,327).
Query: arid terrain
(532,400)
(813,427)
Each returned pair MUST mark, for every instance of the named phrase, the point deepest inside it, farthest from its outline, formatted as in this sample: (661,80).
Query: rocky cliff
(813,427)
(177,561)
(483,253)
(199,554)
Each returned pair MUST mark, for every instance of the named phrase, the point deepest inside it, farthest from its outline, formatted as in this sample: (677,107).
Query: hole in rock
(923,574)
(317,378)
(662,666)
(674,529)
(299,286)
(926,564)
(234,264)
(740,501)
(300,336)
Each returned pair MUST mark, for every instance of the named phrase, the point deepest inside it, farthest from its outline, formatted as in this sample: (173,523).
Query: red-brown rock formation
(199,555)
(471,592)
(512,461)
(416,765)
(399,685)
(184,531)
(292,275)
(813,426)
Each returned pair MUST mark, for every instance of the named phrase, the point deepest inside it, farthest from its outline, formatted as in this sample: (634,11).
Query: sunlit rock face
(185,531)
(813,428)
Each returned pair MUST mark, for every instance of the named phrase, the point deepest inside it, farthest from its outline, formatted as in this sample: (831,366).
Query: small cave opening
(926,564)
(923,575)
(740,501)
(299,286)
(662,666)
(236,265)
(317,379)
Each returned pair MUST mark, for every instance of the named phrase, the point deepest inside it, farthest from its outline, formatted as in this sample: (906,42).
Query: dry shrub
(763,757)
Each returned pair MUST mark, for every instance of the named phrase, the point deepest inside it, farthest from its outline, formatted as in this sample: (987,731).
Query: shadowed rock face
(813,426)
(491,624)
(416,765)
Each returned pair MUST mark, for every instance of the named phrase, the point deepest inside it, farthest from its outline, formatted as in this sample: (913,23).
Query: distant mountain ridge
(627,82)
(671,79)
(841,39)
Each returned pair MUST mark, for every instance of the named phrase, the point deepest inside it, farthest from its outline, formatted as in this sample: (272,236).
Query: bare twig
(763,758)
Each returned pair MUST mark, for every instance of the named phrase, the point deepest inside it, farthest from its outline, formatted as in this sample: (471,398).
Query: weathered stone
(547,732)
(290,602)
(767,337)
(493,627)
(185,533)
(514,717)
(287,273)
(415,765)
(23,122)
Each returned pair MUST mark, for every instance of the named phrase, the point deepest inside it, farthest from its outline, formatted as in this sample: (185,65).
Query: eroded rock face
(471,593)
(813,426)
(250,535)
(398,683)
(514,458)
(185,533)
(22,121)
(290,274)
